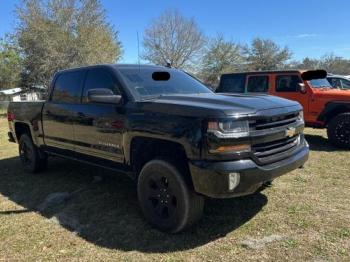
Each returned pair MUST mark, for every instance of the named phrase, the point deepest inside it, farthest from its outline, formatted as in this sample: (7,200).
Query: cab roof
(305,74)
(116,66)
(268,72)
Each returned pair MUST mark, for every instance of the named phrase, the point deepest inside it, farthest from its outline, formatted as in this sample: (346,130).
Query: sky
(310,28)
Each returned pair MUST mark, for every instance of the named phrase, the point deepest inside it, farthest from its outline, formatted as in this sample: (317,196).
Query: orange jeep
(323,105)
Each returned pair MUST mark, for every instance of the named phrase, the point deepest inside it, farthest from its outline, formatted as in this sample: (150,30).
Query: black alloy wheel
(166,199)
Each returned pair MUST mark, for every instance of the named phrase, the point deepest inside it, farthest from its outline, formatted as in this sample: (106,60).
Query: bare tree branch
(172,38)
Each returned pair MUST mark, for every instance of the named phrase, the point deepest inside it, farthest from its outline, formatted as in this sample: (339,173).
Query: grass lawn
(309,208)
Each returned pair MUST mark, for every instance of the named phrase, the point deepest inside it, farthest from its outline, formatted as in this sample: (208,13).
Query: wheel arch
(155,148)
(22,128)
(333,109)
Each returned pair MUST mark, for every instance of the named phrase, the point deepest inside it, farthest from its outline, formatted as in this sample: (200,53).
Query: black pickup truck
(164,128)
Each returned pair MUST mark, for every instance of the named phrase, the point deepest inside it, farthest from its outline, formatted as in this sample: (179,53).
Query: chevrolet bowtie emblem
(290,132)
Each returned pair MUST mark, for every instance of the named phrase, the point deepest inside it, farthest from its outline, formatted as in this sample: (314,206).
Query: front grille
(273,122)
(276,150)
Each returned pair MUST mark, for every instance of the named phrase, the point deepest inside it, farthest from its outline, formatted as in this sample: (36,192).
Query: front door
(99,127)
(287,86)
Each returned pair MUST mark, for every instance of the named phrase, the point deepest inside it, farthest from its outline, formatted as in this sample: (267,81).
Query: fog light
(233,180)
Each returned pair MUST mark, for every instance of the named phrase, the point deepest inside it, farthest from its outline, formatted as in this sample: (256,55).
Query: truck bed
(26,111)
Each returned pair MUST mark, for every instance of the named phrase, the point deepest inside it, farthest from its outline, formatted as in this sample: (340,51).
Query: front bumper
(212,178)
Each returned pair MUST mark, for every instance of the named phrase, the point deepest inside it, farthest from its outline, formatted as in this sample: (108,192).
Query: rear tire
(339,130)
(167,201)
(32,159)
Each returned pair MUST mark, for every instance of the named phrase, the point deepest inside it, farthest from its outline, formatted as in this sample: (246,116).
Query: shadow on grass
(108,211)
(320,143)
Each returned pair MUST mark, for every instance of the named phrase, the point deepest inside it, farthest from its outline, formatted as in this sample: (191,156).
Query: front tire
(32,160)
(339,130)
(167,201)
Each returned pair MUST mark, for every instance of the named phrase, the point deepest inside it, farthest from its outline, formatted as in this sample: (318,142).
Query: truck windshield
(318,83)
(145,84)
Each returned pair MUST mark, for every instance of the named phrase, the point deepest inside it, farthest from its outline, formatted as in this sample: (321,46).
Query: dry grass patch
(309,208)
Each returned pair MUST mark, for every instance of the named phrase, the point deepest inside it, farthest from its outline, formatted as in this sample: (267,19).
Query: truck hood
(216,105)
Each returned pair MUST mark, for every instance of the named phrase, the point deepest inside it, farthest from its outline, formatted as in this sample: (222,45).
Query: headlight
(229,129)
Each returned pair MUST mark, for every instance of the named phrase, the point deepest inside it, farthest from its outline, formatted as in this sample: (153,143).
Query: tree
(309,63)
(174,39)
(305,64)
(10,63)
(329,62)
(335,64)
(220,56)
(59,34)
(264,54)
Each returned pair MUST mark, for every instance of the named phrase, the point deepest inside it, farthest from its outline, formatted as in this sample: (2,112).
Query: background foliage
(56,34)
(10,63)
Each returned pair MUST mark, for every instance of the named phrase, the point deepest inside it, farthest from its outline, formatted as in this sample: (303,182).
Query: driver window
(287,83)
(99,78)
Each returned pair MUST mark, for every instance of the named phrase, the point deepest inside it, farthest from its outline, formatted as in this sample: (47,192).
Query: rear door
(59,111)
(99,126)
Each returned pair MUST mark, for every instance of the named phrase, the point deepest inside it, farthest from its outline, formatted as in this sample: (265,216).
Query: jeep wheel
(30,156)
(166,200)
(339,130)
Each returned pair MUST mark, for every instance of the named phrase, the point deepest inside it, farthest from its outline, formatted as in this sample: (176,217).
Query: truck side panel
(28,114)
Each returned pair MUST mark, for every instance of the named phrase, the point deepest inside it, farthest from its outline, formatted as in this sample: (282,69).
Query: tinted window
(345,84)
(231,84)
(335,82)
(287,83)
(67,87)
(258,84)
(99,78)
(148,82)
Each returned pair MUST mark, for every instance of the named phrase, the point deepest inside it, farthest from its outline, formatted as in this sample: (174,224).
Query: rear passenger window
(231,84)
(67,88)
(287,83)
(258,84)
(99,78)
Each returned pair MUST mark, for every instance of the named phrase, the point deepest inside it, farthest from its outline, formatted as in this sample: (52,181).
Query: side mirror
(103,95)
(301,88)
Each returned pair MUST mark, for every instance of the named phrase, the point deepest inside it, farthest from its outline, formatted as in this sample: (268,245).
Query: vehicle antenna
(138,49)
